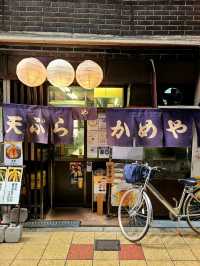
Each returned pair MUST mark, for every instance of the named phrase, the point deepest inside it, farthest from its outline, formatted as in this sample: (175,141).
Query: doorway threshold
(52,224)
(84,215)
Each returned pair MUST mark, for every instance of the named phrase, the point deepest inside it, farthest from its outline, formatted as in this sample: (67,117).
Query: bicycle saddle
(188,181)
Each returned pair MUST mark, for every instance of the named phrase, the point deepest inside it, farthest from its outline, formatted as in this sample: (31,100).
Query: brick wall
(126,17)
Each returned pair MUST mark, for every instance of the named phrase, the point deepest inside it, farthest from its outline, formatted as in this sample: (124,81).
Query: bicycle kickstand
(178,230)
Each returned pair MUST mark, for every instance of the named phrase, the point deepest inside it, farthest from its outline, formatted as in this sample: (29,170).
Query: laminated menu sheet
(2,183)
(13,154)
(11,186)
(1,126)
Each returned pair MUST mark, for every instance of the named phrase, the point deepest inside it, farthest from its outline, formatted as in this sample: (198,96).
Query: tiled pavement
(77,249)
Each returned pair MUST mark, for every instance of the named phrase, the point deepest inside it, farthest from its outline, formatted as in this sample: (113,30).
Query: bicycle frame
(177,211)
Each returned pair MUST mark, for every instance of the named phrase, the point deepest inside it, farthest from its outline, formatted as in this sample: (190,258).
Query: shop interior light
(31,72)
(116,101)
(65,89)
(72,95)
(89,74)
(106,92)
(60,73)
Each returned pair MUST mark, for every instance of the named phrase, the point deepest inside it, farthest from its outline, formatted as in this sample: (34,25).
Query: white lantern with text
(89,74)
(31,72)
(60,73)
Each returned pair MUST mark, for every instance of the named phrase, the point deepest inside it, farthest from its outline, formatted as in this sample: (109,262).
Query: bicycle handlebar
(157,168)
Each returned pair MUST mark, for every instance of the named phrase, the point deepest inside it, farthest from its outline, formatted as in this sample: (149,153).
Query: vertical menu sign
(3,171)
(13,185)
(1,125)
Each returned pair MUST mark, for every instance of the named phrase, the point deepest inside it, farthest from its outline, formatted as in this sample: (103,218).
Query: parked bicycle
(135,212)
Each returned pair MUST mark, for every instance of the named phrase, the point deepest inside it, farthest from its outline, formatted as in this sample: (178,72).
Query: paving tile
(83,238)
(31,252)
(122,239)
(62,236)
(52,263)
(155,252)
(56,253)
(9,252)
(13,246)
(196,251)
(57,244)
(80,252)
(152,239)
(131,252)
(79,263)
(186,263)
(41,238)
(105,235)
(192,239)
(180,253)
(25,263)
(171,240)
(132,263)
(34,245)
(5,262)
(159,263)
(106,255)
(105,263)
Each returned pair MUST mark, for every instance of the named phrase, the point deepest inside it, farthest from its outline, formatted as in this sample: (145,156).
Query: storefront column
(6,91)
(6,99)
(195,164)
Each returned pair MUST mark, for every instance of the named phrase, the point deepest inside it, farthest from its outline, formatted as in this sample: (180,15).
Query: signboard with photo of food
(13,155)
(2,183)
(13,185)
(1,126)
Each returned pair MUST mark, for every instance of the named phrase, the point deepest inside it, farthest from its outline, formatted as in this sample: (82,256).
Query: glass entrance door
(68,184)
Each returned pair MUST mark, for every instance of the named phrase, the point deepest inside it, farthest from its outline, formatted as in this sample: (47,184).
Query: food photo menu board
(13,154)
(3,171)
(10,185)
(13,185)
(1,126)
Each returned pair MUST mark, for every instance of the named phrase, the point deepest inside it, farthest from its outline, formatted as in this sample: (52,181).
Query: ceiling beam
(92,40)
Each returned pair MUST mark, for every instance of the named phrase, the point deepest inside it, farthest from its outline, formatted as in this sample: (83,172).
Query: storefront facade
(69,175)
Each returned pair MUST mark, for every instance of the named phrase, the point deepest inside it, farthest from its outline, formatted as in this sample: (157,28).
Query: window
(77,96)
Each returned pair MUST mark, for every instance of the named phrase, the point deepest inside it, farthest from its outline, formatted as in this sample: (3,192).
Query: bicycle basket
(134,172)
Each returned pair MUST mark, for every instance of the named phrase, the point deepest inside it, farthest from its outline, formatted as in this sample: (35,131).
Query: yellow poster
(38,180)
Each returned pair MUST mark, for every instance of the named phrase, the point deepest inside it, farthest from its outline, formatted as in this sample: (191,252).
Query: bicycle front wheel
(193,211)
(134,215)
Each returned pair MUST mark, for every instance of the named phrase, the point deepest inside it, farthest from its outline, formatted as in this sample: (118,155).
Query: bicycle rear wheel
(134,214)
(192,211)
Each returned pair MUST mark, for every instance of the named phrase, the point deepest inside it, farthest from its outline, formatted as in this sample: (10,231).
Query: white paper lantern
(31,72)
(89,74)
(60,73)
